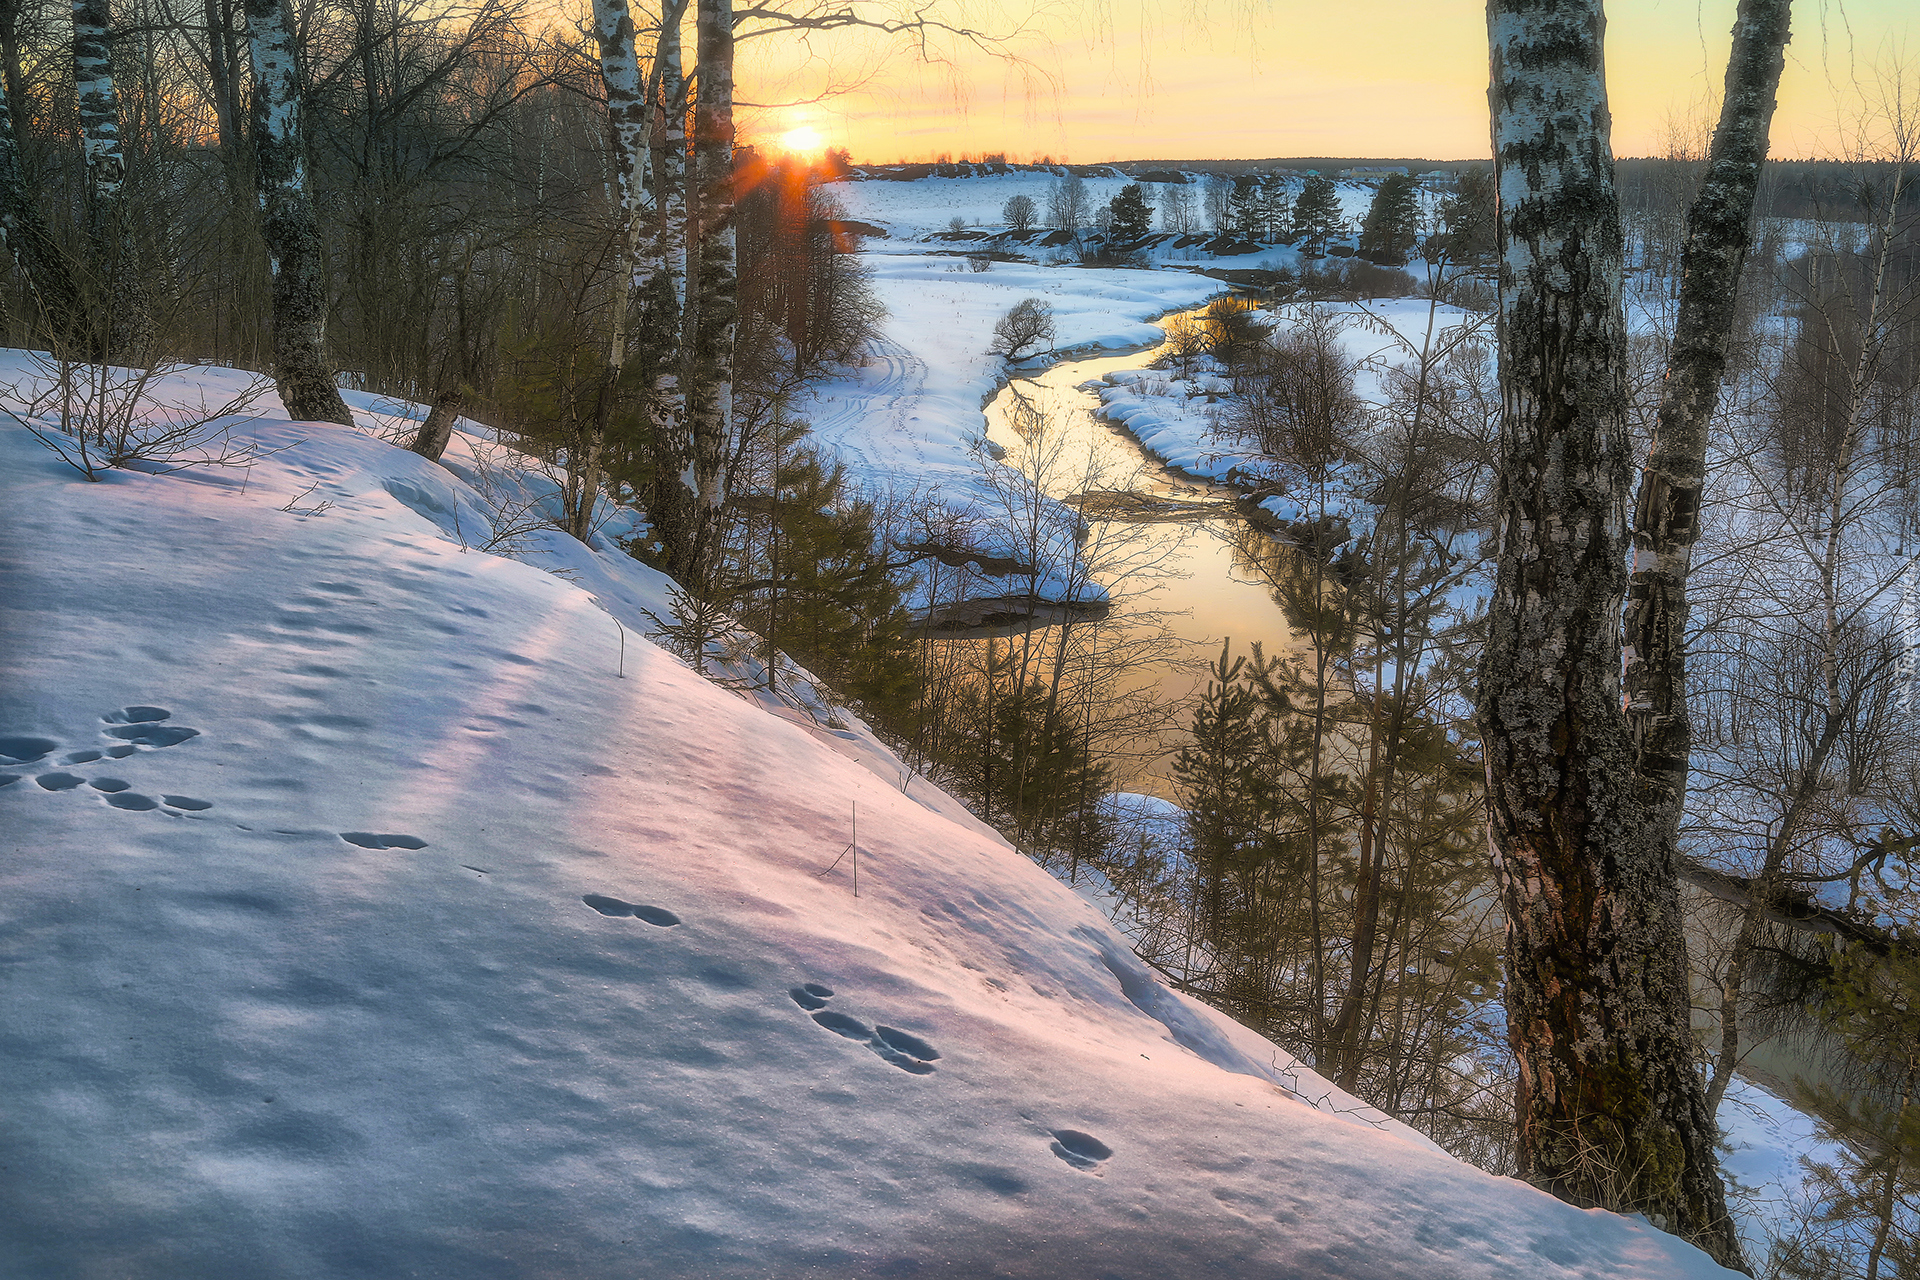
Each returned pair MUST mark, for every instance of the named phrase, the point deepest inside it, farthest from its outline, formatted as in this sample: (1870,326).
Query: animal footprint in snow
(615,907)
(811,996)
(372,840)
(142,727)
(119,793)
(1081,1150)
(138,726)
(24,750)
(902,1048)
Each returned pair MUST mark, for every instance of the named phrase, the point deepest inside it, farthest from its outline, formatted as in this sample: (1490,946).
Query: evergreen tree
(1393,222)
(1021,759)
(1244,207)
(1316,214)
(818,588)
(1274,207)
(1868,1221)
(1467,218)
(1130,214)
(1224,786)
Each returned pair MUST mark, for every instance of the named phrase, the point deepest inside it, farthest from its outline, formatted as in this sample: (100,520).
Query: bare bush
(97,417)
(1027,324)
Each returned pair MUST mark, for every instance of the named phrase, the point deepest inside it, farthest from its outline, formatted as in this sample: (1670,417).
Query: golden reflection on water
(1204,574)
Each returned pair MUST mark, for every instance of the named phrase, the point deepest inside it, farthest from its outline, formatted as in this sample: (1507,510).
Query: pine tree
(1468,218)
(1243,207)
(818,588)
(1393,222)
(1224,787)
(1274,207)
(1868,1224)
(1131,214)
(1316,214)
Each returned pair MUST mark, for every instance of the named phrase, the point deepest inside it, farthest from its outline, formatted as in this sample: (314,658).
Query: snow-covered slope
(360,918)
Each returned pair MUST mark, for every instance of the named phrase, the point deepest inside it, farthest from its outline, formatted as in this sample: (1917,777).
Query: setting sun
(803,141)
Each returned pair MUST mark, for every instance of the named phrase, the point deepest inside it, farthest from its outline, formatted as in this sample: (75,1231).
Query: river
(1201,587)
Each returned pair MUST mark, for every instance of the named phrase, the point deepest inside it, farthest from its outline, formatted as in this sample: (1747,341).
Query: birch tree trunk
(712,288)
(1610,1110)
(122,327)
(294,251)
(627,111)
(1667,515)
(672,499)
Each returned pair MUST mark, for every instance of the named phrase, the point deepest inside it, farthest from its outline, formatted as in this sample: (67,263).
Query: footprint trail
(901,1048)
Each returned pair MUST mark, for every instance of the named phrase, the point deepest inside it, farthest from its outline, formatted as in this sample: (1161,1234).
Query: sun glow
(804,141)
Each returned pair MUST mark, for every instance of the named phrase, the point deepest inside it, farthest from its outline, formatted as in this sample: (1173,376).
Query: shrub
(1027,324)
(96,417)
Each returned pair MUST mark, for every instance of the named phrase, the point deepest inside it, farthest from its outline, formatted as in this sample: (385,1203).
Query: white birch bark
(672,506)
(712,289)
(1667,513)
(122,327)
(1609,1108)
(295,254)
(99,107)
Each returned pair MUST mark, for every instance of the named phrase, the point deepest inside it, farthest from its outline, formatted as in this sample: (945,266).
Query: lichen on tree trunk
(1609,1107)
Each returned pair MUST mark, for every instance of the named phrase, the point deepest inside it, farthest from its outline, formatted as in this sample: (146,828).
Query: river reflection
(1201,576)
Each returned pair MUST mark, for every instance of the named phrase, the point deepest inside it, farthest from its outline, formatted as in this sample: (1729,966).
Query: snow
(909,420)
(421,933)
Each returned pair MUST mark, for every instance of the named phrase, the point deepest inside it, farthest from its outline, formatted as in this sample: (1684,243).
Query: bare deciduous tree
(1026,326)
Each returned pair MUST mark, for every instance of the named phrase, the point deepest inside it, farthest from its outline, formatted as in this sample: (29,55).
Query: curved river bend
(1203,586)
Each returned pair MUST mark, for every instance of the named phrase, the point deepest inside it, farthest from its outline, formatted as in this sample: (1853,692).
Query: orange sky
(1229,79)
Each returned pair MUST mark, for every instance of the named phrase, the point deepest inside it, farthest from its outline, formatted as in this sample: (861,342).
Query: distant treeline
(1827,190)
(1818,189)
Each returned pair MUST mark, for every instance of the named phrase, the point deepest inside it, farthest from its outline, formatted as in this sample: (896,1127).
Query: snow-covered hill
(362,917)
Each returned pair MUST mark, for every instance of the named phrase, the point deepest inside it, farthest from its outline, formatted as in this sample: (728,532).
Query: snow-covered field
(372,908)
(909,417)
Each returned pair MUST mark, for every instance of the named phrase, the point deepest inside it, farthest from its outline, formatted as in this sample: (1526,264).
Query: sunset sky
(1227,79)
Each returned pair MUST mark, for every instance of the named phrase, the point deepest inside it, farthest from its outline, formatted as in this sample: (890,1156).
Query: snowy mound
(362,919)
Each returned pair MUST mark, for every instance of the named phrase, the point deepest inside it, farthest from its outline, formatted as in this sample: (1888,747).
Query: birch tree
(663,299)
(712,286)
(1666,519)
(627,117)
(1609,1108)
(295,253)
(122,326)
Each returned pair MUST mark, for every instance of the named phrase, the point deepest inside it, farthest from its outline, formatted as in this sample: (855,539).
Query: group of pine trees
(1250,207)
